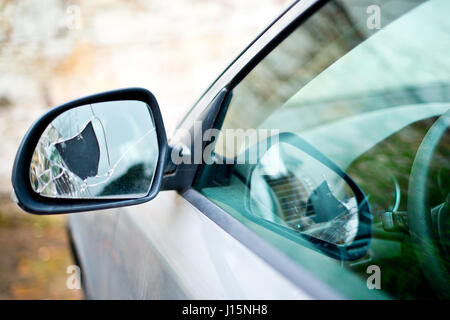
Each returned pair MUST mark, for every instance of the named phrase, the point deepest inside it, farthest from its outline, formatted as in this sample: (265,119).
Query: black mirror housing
(33,202)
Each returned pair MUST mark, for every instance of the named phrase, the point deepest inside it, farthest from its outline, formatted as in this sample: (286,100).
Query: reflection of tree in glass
(286,70)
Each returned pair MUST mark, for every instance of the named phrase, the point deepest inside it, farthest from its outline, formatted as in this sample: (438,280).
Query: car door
(340,101)
(181,245)
(352,109)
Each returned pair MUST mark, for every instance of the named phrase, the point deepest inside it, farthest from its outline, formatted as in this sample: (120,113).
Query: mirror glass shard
(100,150)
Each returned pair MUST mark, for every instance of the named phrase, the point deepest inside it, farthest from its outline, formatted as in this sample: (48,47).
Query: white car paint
(168,249)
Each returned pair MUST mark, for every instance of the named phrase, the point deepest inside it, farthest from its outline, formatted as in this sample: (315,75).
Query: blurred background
(52,51)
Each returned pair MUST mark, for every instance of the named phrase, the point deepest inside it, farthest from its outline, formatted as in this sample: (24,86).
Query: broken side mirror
(102,151)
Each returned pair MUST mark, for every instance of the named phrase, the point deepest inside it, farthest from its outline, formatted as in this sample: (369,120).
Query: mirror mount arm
(181,176)
(171,166)
(177,176)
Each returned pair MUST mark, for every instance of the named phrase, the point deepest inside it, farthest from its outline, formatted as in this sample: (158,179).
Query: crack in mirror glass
(102,150)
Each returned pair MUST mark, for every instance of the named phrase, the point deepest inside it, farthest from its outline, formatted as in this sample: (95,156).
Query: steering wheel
(423,234)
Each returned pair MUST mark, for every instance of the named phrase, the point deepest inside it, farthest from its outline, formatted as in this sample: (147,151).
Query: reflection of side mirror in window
(296,190)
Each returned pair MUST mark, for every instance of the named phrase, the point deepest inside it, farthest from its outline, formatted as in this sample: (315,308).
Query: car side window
(335,148)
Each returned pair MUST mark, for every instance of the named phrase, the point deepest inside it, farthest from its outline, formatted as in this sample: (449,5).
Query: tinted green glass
(367,85)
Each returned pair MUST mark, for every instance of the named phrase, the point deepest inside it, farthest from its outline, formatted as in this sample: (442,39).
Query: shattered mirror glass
(99,150)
